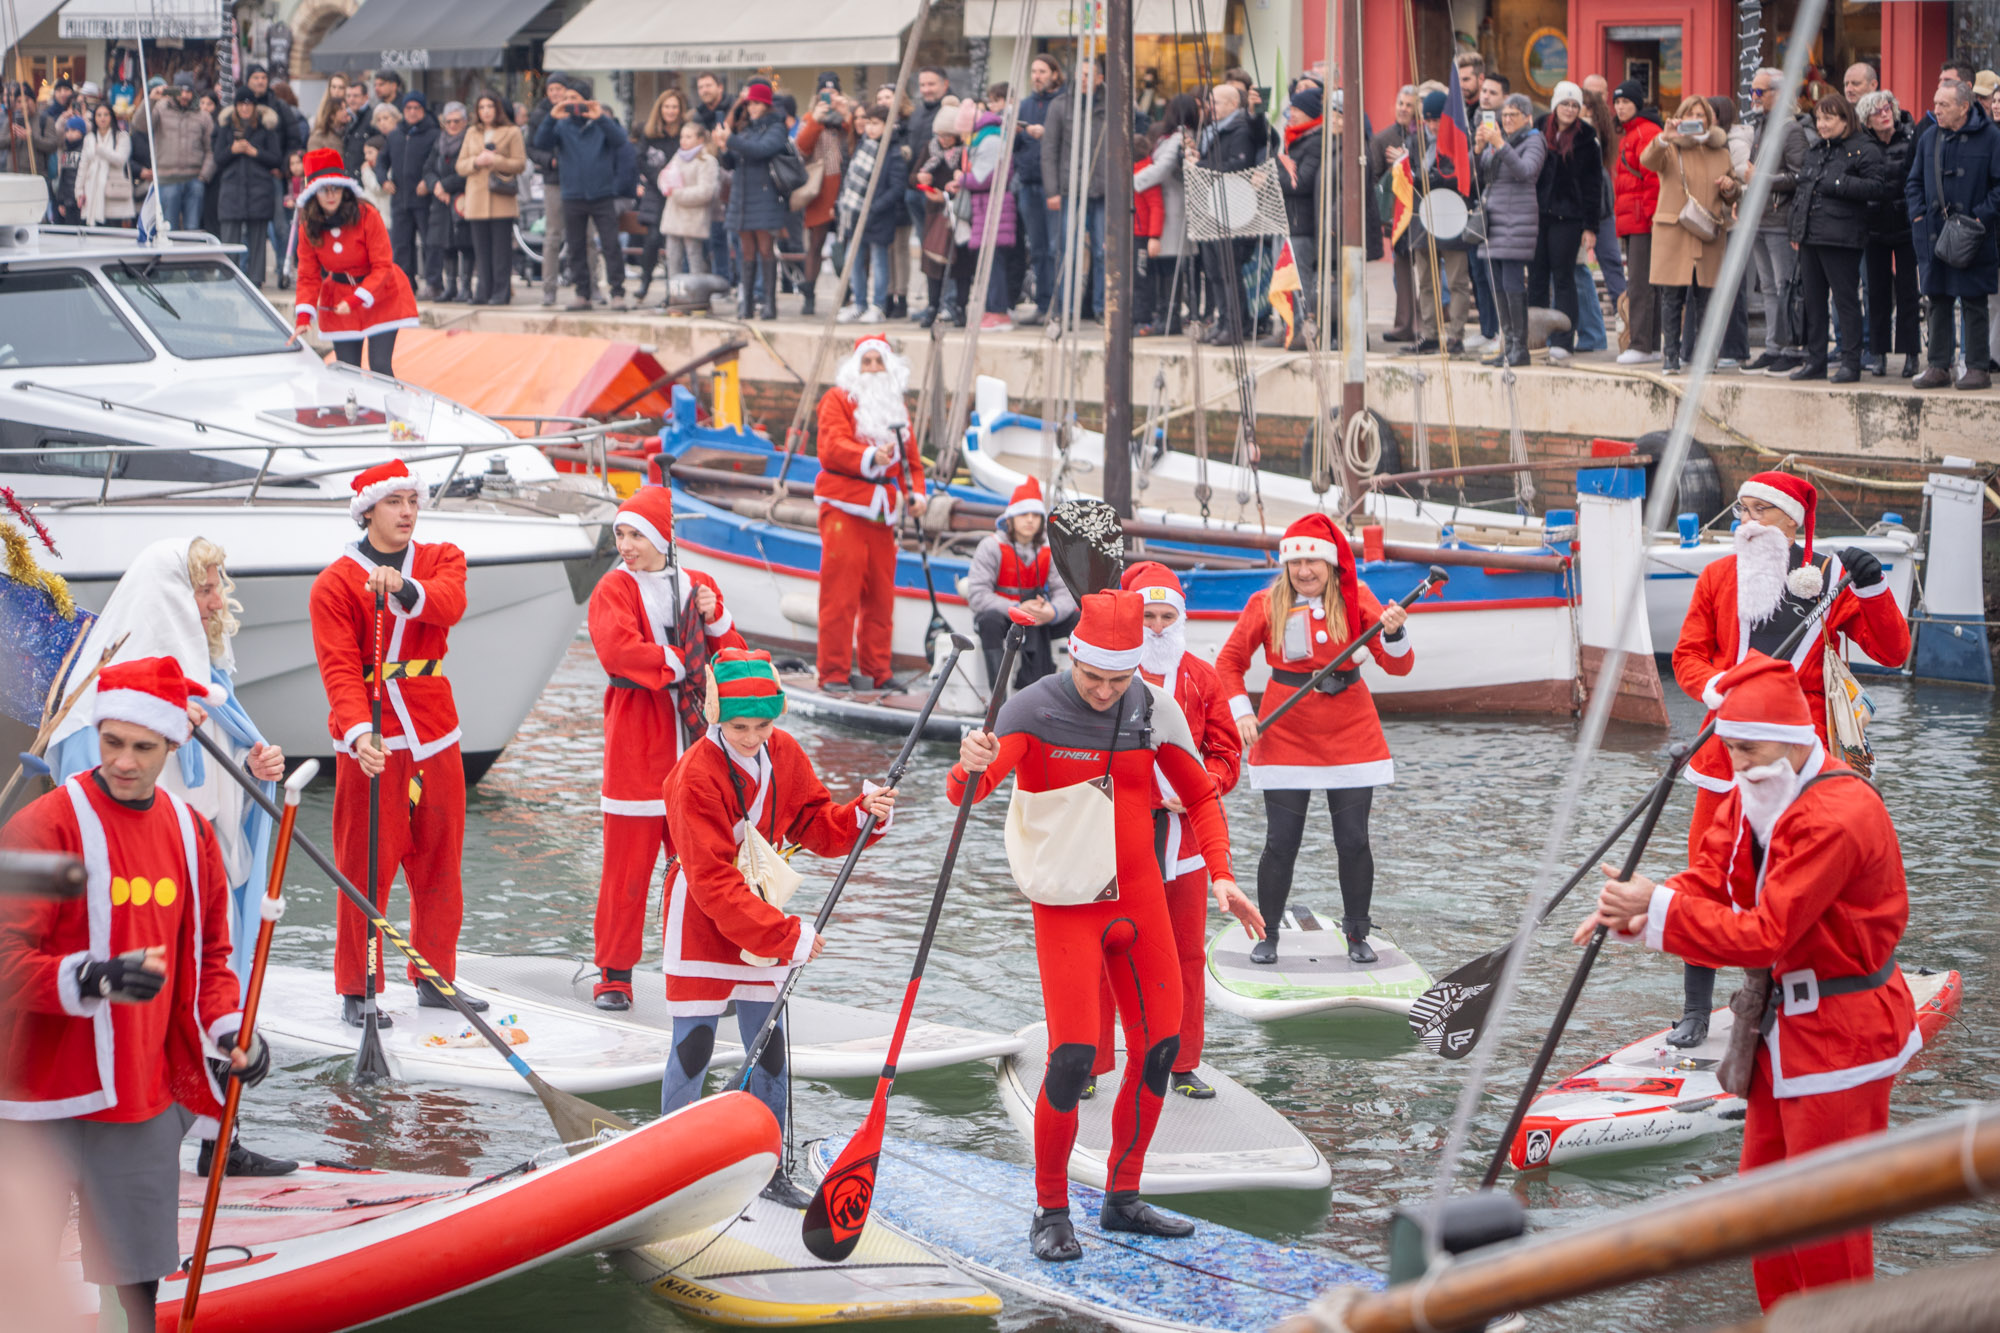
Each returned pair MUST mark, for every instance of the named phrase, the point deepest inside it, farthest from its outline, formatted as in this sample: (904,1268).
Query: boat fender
(1160,1057)
(799,609)
(1697,490)
(1069,1070)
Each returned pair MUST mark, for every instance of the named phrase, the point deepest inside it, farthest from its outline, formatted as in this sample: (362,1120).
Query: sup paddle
(959,644)
(371,1064)
(937,629)
(839,1207)
(577,1122)
(1450,1017)
(274,907)
(1436,578)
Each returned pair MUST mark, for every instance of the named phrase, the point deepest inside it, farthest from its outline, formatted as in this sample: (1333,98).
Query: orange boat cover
(500,374)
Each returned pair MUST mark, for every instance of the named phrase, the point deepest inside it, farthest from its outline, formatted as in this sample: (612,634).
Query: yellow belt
(416,666)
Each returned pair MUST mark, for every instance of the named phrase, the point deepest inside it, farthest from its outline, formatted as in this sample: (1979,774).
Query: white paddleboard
(827,1040)
(755,1271)
(1312,973)
(1234,1141)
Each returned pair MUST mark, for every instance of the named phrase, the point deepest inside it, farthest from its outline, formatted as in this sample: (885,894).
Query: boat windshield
(59,317)
(199,310)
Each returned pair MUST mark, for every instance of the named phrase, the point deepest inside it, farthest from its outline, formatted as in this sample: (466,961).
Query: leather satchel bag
(1695,219)
(1746,1032)
(1960,237)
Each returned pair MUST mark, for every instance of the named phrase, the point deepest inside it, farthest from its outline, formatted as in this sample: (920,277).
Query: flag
(1454,139)
(149,223)
(1402,189)
(1285,278)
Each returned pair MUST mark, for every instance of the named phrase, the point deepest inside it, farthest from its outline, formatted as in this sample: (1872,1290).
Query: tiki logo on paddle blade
(1438,1006)
(847,1207)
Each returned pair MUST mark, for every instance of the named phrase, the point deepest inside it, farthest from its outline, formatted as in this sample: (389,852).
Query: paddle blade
(1450,1017)
(371,1062)
(839,1207)
(579,1124)
(1087,545)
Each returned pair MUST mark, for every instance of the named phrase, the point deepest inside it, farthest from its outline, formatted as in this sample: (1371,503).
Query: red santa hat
(876,341)
(742,682)
(1027,499)
(376,482)
(1109,631)
(325,166)
(650,513)
(1797,499)
(1759,699)
(1315,537)
(1156,585)
(148,692)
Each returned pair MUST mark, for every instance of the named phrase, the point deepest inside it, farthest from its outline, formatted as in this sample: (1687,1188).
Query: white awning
(20,17)
(201,19)
(1067,18)
(736,34)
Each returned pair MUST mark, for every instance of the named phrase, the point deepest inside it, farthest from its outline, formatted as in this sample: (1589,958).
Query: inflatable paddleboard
(1650,1094)
(754,1271)
(1232,1142)
(1312,973)
(976,1211)
(827,1040)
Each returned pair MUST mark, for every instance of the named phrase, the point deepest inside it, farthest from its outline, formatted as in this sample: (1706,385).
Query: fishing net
(1087,545)
(1222,205)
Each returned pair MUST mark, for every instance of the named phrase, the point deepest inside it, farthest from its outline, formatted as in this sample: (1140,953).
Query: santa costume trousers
(857,595)
(1130,942)
(1777,1128)
(1187,910)
(632,847)
(423,834)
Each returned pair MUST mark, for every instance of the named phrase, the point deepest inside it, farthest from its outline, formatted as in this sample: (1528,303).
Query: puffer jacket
(182,141)
(754,202)
(1571,186)
(1513,212)
(1302,194)
(1635,186)
(689,209)
(1840,179)
(1889,216)
(245,189)
(982,164)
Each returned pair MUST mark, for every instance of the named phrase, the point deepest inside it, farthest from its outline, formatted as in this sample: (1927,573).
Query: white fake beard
(1763,556)
(1160,650)
(878,405)
(1767,791)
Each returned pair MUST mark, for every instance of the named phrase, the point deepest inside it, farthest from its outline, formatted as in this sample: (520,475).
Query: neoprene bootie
(1122,1211)
(430,997)
(784,1193)
(351,1007)
(1265,950)
(1691,1031)
(1052,1238)
(1356,930)
(242,1161)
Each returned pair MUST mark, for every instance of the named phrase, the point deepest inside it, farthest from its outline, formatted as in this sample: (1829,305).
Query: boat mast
(1118,247)
(1353,243)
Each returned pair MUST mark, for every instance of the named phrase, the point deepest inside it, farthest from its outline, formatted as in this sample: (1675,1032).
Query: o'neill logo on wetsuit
(1092,755)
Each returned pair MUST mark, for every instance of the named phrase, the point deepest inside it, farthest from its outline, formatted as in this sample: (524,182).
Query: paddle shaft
(937,625)
(896,771)
(1430,580)
(369,1063)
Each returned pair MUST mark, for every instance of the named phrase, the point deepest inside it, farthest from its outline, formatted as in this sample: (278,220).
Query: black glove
(252,1073)
(121,980)
(1865,568)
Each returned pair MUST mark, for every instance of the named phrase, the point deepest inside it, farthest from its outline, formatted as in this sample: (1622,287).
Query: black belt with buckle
(1831,986)
(1331,683)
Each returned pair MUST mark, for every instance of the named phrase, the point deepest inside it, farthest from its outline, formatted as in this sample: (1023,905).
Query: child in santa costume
(1332,741)
(118,1000)
(422,773)
(1012,569)
(654,625)
(1799,872)
(1749,601)
(1095,720)
(867,461)
(724,940)
(348,279)
(1164,661)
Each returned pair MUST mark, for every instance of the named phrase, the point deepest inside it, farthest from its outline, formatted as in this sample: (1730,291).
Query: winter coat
(1889,215)
(587,151)
(1163,173)
(543,158)
(754,201)
(447,230)
(1971,184)
(1635,186)
(1228,144)
(1513,212)
(688,209)
(1798,133)
(1841,178)
(886,211)
(245,189)
(1571,186)
(982,162)
(1679,257)
(402,163)
(1302,193)
(102,187)
(353,140)
(1061,140)
(181,142)
(481,203)
(1034,110)
(821,141)
(652,152)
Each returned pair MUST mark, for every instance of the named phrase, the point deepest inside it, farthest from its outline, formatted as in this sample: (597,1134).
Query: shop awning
(748,34)
(1067,18)
(424,34)
(21,17)
(199,19)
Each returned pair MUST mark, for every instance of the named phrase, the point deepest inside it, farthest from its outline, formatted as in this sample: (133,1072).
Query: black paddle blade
(371,1062)
(1087,545)
(579,1124)
(839,1209)
(1450,1017)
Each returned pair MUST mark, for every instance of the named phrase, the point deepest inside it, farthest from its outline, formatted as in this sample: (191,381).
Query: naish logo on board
(673,1286)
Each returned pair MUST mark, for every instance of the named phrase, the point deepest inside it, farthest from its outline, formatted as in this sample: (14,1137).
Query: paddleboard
(1312,973)
(1232,1142)
(1650,1094)
(888,712)
(828,1040)
(976,1211)
(755,1271)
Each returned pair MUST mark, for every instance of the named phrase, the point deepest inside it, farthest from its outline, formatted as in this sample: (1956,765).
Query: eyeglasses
(1752,511)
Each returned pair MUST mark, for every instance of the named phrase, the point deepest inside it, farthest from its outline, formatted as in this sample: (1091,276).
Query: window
(59,317)
(199,310)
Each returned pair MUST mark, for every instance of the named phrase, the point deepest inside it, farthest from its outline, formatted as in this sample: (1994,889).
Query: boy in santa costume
(654,626)
(1012,569)
(1749,601)
(423,776)
(1072,728)
(117,1001)
(1800,872)
(724,940)
(867,461)
(1332,741)
(348,278)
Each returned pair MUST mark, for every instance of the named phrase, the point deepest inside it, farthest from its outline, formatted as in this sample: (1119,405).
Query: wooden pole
(1118,261)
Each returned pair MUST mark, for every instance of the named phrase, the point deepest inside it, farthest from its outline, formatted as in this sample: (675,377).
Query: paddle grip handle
(1431,580)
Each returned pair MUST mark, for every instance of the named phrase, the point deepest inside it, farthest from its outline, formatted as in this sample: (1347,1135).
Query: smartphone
(1489,118)
(1693,129)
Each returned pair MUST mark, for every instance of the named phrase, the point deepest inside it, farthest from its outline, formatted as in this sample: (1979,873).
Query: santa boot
(1356,930)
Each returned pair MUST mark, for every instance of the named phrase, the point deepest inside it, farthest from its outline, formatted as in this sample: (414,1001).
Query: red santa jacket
(353,264)
(1198,690)
(849,478)
(421,716)
(154,876)
(712,917)
(1714,639)
(1827,902)
(1341,727)
(631,627)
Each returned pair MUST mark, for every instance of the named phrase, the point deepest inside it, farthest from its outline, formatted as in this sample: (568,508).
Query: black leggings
(1285,824)
(492,258)
(381,352)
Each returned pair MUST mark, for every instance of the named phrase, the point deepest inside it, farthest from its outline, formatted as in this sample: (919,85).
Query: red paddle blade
(839,1207)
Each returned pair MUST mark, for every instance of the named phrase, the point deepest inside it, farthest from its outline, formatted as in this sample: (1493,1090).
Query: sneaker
(621,302)
(848,314)
(1809,371)
(1479,342)
(1632,356)
(1784,364)
(1192,1086)
(1760,365)
(995,321)
(1424,347)
(1089,1090)
(872,315)
(1560,356)
(1455,347)
(1033,320)
(1670,368)
(242,1161)
(1728,363)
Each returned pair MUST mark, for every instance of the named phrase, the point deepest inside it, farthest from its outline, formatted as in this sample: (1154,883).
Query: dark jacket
(1837,182)
(754,202)
(447,230)
(653,153)
(1302,195)
(1571,186)
(353,140)
(588,150)
(1061,139)
(1034,110)
(1970,184)
(244,186)
(410,148)
(923,121)
(886,212)
(709,116)
(1889,217)
(1228,144)
(1799,132)
(544,159)
(1513,213)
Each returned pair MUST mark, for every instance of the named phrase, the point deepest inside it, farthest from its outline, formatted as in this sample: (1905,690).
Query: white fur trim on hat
(366,498)
(144,710)
(348,184)
(643,526)
(1800,734)
(1806,581)
(1307,548)
(1032,505)
(1788,505)
(1162,593)
(1104,659)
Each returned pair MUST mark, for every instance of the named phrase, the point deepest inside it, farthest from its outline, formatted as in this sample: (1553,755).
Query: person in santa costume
(1332,741)
(422,820)
(1011,569)
(348,279)
(743,790)
(867,462)
(120,1004)
(1749,601)
(654,626)
(1165,661)
(1070,731)
(1799,872)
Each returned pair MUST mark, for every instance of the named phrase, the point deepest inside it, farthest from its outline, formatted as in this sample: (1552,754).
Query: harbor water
(1456,843)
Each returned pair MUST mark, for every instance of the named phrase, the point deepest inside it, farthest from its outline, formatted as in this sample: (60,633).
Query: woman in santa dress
(348,278)
(1332,741)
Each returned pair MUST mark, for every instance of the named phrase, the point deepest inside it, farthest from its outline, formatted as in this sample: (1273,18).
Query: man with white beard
(867,460)
(1749,602)
(1801,873)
